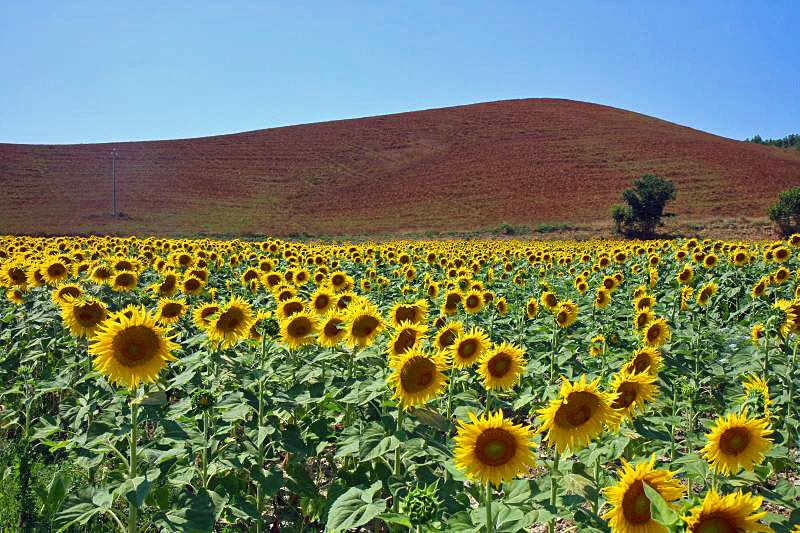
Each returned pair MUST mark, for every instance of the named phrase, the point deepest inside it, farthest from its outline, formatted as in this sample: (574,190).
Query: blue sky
(77,72)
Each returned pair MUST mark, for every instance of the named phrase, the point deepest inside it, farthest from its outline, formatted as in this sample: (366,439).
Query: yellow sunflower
(468,347)
(124,281)
(322,301)
(102,274)
(16,296)
(500,368)
(202,314)
(473,302)
(406,337)
(231,325)
(446,335)
(734,513)
(532,308)
(65,293)
(415,313)
(686,275)
(630,512)
(549,300)
(170,311)
(602,298)
(578,415)
(737,442)
(644,302)
(191,286)
(332,329)
(364,323)
(645,359)
(287,308)
(501,306)
(452,299)
(656,332)
(132,350)
(760,288)
(83,316)
(14,274)
(642,318)
(634,390)
(299,329)
(492,449)
(54,272)
(706,293)
(417,377)
(566,314)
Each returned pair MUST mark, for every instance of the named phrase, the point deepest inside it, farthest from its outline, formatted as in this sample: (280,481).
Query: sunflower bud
(271,327)
(421,505)
(203,400)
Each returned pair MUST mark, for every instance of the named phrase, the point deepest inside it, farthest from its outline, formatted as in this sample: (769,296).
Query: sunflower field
(154,385)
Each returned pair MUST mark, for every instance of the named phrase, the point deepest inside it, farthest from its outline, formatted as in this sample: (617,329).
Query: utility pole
(114,182)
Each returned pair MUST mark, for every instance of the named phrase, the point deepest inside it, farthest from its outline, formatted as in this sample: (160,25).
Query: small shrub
(786,211)
(646,201)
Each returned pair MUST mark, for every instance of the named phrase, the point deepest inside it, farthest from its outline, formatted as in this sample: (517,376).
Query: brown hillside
(459,168)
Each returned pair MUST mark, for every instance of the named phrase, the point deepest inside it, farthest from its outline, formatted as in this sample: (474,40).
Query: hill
(528,162)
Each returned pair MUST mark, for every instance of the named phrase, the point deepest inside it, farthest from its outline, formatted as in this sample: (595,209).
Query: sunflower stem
(488,502)
(205,449)
(132,508)
(596,502)
(551,526)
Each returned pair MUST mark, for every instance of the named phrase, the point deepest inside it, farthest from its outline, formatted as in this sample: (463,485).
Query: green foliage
(786,211)
(790,141)
(646,201)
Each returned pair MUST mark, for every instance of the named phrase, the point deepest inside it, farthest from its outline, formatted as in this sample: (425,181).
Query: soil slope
(454,169)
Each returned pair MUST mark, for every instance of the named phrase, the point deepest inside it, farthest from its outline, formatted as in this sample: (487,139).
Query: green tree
(646,201)
(786,211)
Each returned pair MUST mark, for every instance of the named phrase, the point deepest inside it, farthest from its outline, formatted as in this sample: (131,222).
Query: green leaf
(195,514)
(659,509)
(56,491)
(355,508)
(136,490)
(384,447)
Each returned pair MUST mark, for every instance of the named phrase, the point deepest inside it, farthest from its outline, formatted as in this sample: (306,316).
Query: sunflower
(299,329)
(686,297)
(780,275)
(406,337)
(14,274)
(54,272)
(256,328)
(202,314)
(757,333)
(549,301)
(597,346)
(781,254)
(417,377)
(501,366)
(101,274)
(416,312)
(83,316)
(447,334)
(168,285)
(473,302)
(642,318)
(170,311)
(710,261)
(646,359)
(501,306)
(791,315)
(578,415)
(331,330)
(656,332)
(644,302)
(760,288)
(322,300)
(602,298)
(468,347)
(287,308)
(231,325)
(452,299)
(364,323)
(706,292)
(191,286)
(492,449)
(737,442)
(16,296)
(630,512)
(734,513)
(566,314)
(132,350)
(65,293)
(124,281)
(686,275)
(532,308)
(633,391)
(341,281)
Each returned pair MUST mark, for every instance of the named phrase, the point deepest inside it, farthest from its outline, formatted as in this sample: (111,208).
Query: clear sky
(73,72)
